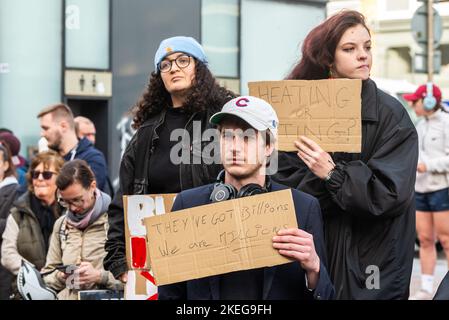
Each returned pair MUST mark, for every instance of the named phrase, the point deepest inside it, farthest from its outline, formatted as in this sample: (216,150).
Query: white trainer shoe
(421,295)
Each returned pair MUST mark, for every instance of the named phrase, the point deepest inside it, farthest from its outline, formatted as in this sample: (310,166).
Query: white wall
(271,36)
(87,34)
(30,43)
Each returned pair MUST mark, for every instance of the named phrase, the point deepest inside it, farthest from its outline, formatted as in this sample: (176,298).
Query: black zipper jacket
(369,203)
(134,177)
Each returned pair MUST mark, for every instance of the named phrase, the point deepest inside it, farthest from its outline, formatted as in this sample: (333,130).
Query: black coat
(443,289)
(369,202)
(283,282)
(8,194)
(134,179)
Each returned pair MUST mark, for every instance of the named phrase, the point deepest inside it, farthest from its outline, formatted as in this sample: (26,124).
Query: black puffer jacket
(134,178)
(369,202)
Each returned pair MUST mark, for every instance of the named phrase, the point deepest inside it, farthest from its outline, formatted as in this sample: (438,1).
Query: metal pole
(430,40)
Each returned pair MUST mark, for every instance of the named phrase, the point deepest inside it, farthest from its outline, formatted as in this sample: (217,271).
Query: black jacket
(443,289)
(134,179)
(8,194)
(283,282)
(369,202)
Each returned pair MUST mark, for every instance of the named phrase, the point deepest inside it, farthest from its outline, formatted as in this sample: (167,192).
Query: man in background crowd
(58,128)
(85,128)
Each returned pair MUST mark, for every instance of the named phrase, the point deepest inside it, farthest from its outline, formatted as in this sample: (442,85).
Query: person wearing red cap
(421,94)
(432,181)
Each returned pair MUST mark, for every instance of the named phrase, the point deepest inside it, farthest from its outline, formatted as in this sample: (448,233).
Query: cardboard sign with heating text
(219,238)
(141,284)
(326,111)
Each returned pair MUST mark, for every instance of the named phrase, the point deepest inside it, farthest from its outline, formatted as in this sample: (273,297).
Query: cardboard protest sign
(141,284)
(326,111)
(219,238)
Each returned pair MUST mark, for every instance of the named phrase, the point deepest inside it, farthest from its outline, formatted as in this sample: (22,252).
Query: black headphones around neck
(225,191)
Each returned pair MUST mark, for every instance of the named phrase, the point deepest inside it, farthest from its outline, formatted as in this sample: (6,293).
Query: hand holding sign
(319,161)
(124,277)
(298,244)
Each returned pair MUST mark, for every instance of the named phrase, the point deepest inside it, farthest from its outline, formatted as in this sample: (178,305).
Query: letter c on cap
(242,102)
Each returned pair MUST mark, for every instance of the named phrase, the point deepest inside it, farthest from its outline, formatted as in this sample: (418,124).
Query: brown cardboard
(326,111)
(141,284)
(218,238)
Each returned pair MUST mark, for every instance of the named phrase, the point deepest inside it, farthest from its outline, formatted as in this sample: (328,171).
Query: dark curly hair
(204,94)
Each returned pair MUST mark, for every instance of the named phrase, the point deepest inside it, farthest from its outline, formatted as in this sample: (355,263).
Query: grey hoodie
(433,134)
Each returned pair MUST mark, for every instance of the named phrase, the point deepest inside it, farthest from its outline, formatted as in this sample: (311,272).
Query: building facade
(96,56)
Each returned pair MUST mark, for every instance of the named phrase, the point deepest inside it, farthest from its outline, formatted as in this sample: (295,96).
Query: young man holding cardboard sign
(248,130)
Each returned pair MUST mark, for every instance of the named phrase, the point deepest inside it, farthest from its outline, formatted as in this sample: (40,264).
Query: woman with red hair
(367,198)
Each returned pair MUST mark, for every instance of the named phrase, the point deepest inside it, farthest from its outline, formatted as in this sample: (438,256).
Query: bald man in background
(85,128)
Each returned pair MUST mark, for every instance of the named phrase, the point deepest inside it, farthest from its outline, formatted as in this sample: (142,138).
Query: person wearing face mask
(85,128)
(367,198)
(173,111)
(432,181)
(78,238)
(31,219)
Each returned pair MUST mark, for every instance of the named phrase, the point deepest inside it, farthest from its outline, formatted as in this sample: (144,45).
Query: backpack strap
(62,231)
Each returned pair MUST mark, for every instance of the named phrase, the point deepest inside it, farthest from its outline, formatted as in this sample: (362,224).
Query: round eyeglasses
(181,61)
(77,202)
(67,203)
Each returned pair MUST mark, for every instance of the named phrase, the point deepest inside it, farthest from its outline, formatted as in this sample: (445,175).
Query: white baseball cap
(258,113)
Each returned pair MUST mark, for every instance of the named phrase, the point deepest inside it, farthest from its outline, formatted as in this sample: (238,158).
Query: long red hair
(318,50)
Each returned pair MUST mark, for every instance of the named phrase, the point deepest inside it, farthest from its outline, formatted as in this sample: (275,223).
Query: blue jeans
(433,201)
